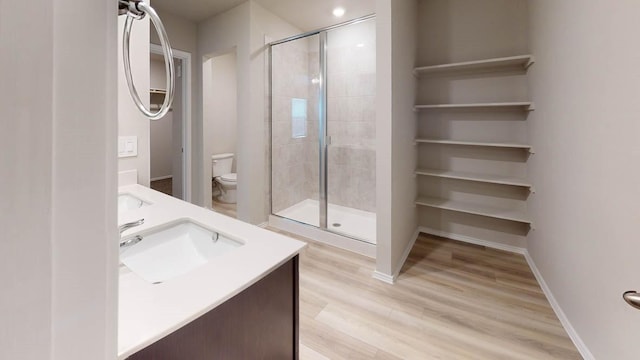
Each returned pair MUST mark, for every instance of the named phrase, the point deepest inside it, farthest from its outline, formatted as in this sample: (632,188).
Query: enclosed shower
(323,129)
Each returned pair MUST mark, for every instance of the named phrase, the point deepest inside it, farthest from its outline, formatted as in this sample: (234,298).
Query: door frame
(185,57)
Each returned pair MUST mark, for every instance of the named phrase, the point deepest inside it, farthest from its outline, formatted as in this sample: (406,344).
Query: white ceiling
(315,14)
(196,10)
(304,14)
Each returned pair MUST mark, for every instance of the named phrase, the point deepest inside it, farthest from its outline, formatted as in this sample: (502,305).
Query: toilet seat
(228,179)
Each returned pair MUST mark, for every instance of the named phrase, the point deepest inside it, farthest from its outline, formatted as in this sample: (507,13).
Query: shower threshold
(358,224)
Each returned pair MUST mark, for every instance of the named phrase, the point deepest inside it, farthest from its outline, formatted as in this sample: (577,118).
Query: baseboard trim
(472,240)
(573,334)
(405,254)
(383,277)
(162,178)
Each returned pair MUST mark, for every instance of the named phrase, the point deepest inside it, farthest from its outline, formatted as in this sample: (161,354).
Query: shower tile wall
(295,160)
(351,79)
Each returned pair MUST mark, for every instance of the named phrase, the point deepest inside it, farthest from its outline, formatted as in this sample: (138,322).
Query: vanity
(195,284)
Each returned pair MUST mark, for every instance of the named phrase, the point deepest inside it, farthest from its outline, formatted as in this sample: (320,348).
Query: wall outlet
(127,146)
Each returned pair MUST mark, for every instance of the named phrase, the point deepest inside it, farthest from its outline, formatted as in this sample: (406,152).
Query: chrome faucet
(134,240)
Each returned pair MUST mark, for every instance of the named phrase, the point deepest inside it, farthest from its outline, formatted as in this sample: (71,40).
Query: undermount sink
(129,202)
(175,250)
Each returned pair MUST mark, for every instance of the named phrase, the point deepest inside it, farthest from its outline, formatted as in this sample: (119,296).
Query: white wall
(158,76)
(217,36)
(183,36)
(224,95)
(220,119)
(396,155)
(58,249)
(130,121)
(404,131)
(220,111)
(161,144)
(585,129)
(160,131)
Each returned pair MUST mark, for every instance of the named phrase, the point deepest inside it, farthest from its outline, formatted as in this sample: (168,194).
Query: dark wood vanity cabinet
(259,323)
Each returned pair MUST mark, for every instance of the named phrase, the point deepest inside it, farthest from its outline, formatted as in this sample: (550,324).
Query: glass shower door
(351,126)
(295,158)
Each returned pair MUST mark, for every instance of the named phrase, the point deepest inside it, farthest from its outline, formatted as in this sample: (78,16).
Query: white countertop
(148,312)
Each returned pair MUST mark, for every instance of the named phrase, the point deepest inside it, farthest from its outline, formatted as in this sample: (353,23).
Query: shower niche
(323,134)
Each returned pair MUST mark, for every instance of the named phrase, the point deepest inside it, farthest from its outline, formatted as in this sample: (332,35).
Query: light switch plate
(127,146)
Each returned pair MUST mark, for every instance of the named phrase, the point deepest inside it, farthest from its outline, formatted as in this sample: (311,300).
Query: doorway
(220,131)
(170,135)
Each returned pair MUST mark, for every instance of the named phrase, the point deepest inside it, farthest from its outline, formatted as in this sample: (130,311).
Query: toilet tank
(221,164)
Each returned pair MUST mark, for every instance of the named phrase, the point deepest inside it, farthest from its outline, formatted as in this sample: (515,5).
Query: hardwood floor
(452,301)
(164,186)
(224,208)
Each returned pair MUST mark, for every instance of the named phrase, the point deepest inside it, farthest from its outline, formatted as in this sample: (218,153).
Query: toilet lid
(230,177)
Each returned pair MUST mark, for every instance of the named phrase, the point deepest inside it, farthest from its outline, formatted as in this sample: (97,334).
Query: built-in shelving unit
(492,212)
(475,143)
(489,209)
(526,106)
(484,178)
(522,61)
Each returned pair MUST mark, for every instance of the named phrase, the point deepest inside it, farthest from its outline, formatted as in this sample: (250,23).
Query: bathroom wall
(130,121)
(157,73)
(351,78)
(396,25)
(161,143)
(161,131)
(224,105)
(183,36)
(586,87)
(58,253)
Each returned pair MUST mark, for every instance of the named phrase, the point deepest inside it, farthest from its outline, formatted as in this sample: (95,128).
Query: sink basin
(129,202)
(175,250)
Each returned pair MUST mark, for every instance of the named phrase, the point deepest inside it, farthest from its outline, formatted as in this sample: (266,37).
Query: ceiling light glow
(338,12)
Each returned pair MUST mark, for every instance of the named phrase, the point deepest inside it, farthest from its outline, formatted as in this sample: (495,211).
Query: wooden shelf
(523,61)
(158,91)
(472,143)
(491,179)
(492,212)
(525,106)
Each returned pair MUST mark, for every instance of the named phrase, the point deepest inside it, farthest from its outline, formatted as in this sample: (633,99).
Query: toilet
(225,180)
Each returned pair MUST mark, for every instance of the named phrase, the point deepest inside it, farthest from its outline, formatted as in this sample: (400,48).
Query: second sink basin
(128,202)
(174,250)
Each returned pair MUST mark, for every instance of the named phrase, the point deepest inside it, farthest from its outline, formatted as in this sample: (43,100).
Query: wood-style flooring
(164,186)
(224,208)
(452,301)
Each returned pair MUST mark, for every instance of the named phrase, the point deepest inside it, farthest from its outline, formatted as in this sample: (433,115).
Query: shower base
(350,222)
